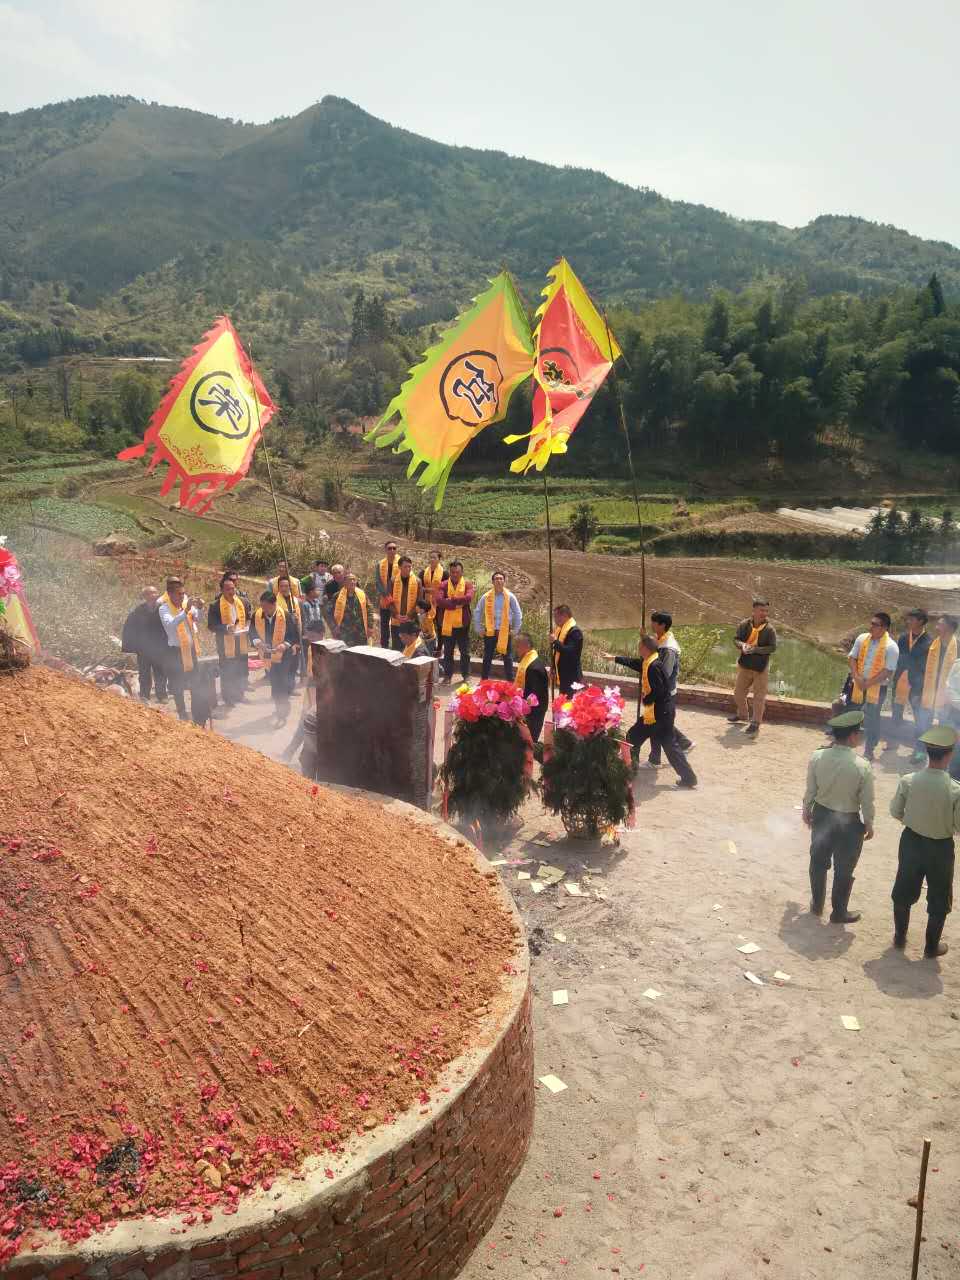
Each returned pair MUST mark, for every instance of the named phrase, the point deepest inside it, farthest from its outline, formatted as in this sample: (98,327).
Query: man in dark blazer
(567,646)
(532,678)
(656,712)
(143,635)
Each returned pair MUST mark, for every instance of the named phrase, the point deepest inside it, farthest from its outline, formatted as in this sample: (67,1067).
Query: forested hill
(98,192)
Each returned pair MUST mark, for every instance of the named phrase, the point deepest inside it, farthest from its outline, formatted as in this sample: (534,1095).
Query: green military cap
(942,736)
(848,720)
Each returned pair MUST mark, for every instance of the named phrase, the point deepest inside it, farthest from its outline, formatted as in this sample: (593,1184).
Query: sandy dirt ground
(724,1130)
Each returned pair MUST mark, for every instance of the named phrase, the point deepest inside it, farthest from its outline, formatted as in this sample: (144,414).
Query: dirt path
(725,1130)
(736,1130)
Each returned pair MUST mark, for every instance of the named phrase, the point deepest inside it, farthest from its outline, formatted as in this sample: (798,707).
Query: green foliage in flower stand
(484,770)
(586,781)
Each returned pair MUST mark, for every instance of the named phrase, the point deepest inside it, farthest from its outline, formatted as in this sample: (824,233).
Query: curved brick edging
(408,1202)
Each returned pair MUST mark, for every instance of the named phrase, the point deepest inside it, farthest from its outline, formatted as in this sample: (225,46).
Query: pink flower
(504,712)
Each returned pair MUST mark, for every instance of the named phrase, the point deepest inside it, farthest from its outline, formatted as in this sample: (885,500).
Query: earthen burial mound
(210,969)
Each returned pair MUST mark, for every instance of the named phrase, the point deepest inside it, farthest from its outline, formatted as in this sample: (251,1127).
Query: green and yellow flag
(461,385)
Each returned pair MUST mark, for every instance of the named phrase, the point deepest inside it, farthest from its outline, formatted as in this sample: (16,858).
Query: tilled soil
(209,968)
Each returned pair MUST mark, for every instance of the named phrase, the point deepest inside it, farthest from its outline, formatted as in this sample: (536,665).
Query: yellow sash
(754,636)
(873,693)
(935,674)
(649,713)
(901,695)
(401,589)
(428,627)
(282,605)
(410,649)
(341,604)
(561,635)
(279,627)
(503,634)
(431,579)
(295,588)
(453,618)
(186,635)
(521,677)
(388,579)
(227,619)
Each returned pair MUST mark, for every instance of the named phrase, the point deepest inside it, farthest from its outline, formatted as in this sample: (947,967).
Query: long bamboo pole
(918,1234)
(546,507)
(266,454)
(633,477)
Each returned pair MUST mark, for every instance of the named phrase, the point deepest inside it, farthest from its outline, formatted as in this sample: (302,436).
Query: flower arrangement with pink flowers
(590,711)
(487,772)
(9,575)
(499,698)
(584,776)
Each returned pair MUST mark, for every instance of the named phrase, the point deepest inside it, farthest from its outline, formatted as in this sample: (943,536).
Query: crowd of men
(433,612)
(921,673)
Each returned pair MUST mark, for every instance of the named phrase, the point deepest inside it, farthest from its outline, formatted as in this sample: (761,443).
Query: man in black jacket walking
(656,719)
(143,635)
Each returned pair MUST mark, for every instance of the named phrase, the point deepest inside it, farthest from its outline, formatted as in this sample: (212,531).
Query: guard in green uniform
(838,807)
(928,805)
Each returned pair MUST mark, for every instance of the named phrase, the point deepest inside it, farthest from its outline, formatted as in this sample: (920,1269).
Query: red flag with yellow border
(574,353)
(208,424)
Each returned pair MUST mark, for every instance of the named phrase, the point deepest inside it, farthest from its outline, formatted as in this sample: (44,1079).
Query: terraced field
(87,520)
(491,504)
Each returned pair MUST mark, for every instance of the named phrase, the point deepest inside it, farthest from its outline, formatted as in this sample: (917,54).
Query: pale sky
(780,109)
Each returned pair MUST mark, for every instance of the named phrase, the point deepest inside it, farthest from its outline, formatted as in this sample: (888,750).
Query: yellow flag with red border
(208,424)
(462,384)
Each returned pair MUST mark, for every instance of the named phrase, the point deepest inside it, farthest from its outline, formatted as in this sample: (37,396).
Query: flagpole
(633,477)
(266,454)
(546,506)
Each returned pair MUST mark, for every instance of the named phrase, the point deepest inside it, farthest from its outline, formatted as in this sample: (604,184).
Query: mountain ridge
(102,194)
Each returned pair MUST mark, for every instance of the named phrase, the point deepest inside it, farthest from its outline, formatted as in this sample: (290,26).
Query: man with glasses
(384,572)
(873,662)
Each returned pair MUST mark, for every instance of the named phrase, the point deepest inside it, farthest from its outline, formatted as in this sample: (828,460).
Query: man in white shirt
(179,616)
(873,662)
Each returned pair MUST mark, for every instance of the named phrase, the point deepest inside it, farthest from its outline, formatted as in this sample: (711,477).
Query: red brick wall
(415,1213)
